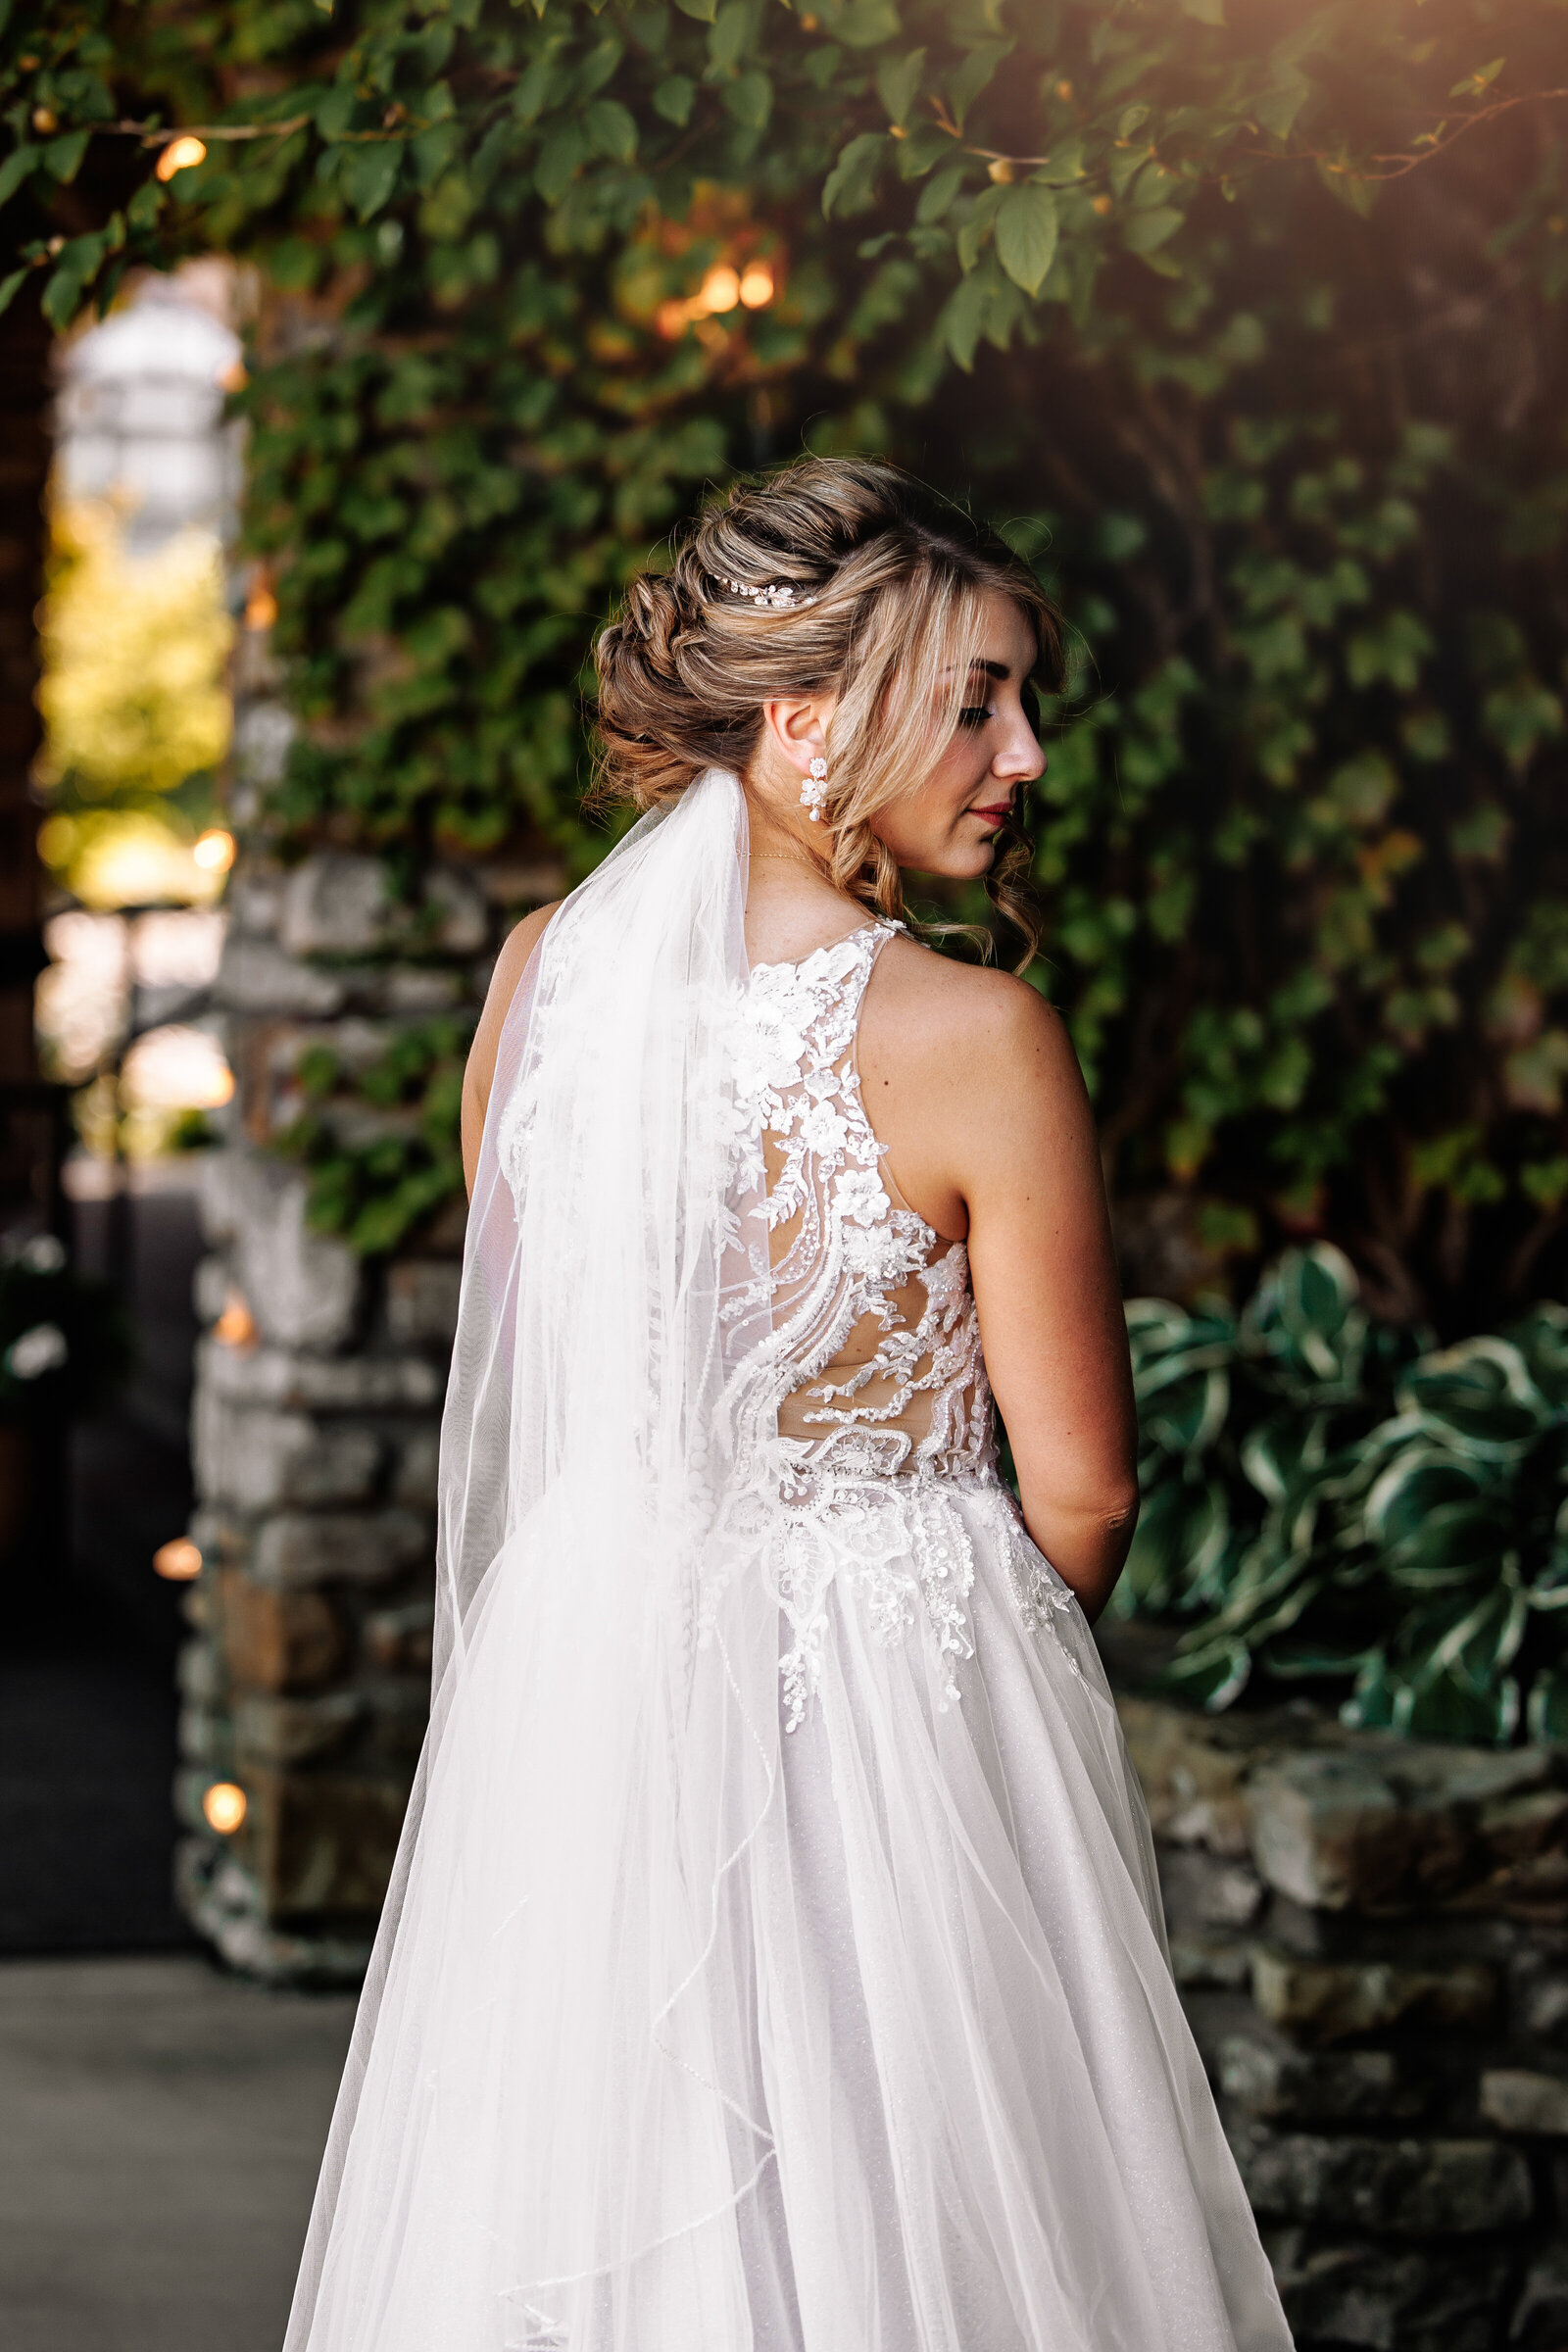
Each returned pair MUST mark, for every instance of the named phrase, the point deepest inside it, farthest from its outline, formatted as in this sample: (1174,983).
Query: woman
(774,1960)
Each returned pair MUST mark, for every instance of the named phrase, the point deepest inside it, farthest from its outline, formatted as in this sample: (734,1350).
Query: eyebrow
(999,670)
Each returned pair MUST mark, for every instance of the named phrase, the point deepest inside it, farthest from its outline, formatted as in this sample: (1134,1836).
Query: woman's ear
(796,729)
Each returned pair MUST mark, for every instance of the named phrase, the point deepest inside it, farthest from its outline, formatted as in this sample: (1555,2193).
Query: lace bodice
(877,1340)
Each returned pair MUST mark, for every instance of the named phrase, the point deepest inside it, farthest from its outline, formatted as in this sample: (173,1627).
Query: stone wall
(319,1387)
(1371,1938)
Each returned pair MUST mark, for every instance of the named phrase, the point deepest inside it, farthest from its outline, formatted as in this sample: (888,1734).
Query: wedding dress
(774,1961)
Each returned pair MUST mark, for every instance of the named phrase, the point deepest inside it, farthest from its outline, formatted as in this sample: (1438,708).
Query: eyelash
(976,714)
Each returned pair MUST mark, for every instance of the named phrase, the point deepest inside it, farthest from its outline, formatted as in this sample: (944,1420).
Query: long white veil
(566,1937)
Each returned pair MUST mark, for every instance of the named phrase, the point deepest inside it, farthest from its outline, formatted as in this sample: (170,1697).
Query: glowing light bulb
(721,289)
(178,1560)
(223,1807)
(213,850)
(236,1325)
(757,285)
(180,155)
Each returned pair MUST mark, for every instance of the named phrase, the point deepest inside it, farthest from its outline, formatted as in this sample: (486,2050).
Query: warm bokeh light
(180,155)
(224,1807)
(215,850)
(236,1325)
(261,607)
(178,1560)
(175,1069)
(233,378)
(720,289)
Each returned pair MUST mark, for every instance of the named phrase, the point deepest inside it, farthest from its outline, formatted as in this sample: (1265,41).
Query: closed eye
(976,714)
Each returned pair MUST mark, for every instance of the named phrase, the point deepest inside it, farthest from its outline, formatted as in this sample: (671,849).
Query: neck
(774,840)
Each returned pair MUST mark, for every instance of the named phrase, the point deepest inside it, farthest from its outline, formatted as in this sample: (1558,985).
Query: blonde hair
(887,580)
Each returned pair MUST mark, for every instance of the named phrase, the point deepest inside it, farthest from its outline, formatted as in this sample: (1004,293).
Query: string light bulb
(180,155)
(223,1807)
(213,850)
(178,1560)
(757,285)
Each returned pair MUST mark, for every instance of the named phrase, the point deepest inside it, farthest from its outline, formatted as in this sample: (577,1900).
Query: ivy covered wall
(1244,321)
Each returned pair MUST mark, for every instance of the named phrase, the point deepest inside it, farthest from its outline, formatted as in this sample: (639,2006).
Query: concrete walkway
(160,2131)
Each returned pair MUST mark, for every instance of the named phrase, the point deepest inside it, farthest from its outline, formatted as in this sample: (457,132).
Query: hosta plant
(1328,1504)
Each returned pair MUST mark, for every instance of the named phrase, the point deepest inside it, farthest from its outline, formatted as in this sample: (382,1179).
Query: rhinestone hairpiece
(776,595)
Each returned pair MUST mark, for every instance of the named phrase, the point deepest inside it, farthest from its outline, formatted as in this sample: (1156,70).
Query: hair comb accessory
(813,789)
(776,595)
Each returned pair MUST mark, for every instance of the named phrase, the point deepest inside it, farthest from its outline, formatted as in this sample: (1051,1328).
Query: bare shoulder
(967,1029)
(510,964)
(515,950)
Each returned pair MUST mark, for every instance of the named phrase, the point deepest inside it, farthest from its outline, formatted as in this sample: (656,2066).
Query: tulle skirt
(692,2033)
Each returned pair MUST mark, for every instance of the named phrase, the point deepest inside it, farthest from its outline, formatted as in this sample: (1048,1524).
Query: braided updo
(888,582)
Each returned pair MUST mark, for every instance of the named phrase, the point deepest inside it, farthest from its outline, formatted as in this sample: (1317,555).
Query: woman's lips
(997,816)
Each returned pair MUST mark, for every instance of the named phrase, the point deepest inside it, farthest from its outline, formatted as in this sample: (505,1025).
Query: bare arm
(1046,1285)
(972,1082)
(479,1075)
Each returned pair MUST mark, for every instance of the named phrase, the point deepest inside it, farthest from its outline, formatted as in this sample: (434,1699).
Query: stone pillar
(1371,1938)
(319,1391)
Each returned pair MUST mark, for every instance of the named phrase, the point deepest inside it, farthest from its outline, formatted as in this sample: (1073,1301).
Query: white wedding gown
(776,1963)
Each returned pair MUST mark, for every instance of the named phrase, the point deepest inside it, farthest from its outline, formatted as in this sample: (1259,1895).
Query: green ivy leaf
(1146,231)
(19,165)
(610,129)
(369,176)
(674,98)
(973,76)
(850,185)
(898,85)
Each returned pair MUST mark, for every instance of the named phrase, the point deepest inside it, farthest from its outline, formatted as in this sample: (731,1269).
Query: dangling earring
(813,789)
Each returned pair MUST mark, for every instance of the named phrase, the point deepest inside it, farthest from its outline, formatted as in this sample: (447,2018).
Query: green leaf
(749,98)
(866,23)
(935,197)
(1026,235)
(898,85)
(1547,1715)
(18,166)
(369,176)
(8,286)
(561,156)
(965,85)
(1146,231)
(703,10)
(74,272)
(1472,85)
(674,98)
(964,319)
(850,185)
(63,155)
(610,129)
(977,228)
(1215,1676)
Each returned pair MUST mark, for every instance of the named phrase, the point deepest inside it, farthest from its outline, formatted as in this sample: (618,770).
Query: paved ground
(162,2129)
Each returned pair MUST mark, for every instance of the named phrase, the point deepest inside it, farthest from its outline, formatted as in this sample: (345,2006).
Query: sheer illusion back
(880,1340)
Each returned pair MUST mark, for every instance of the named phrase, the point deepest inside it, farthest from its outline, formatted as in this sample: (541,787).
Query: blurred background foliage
(1331,1505)
(1243,318)
(135,706)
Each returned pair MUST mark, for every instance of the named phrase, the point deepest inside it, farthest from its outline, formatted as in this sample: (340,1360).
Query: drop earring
(813,789)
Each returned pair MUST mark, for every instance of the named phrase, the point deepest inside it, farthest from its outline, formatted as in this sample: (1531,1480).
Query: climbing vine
(1246,323)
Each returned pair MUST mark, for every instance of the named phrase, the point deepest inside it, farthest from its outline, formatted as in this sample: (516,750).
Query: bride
(774,1960)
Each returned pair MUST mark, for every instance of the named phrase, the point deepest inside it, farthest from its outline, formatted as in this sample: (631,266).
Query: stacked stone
(1371,1938)
(319,1388)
